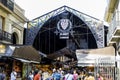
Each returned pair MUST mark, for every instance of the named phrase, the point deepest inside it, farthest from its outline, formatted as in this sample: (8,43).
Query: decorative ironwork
(6,36)
(106,67)
(95,25)
(8,3)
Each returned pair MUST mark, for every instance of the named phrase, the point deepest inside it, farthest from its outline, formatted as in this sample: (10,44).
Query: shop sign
(64,27)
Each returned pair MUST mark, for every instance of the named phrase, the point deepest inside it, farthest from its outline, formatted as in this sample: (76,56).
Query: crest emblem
(64,25)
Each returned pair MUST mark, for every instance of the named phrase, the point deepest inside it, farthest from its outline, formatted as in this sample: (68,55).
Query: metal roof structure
(95,25)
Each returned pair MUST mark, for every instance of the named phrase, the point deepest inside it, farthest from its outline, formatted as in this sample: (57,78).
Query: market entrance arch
(49,41)
(65,28)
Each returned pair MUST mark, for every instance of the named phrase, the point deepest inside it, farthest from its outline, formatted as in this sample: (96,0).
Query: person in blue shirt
(56,75)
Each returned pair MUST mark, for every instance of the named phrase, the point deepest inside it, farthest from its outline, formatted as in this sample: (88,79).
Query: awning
(26,61)
(27,52)
(88,57)
(62,52)
(42,54)
(23,53)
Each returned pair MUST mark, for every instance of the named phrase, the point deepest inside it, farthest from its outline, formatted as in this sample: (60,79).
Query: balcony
(114,29)
(5,37)
(8,3)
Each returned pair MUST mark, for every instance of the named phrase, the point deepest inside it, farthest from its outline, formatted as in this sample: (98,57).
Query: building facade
(112,16)
(59,33)
(12,22)
(113,19)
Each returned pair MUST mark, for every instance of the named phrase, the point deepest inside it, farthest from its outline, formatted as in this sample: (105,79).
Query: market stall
(100,60)
(23,58)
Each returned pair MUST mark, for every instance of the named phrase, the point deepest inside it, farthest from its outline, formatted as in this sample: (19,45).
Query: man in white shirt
(13,75)
(69,75)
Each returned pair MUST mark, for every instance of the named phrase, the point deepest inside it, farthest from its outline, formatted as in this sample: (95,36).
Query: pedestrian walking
(75,75)
(38,75)
(30,76)
(13,75)
(99,77)
(56,75)
(68,76)
(2,75)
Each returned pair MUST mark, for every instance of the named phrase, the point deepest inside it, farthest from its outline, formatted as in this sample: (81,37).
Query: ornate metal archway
(95,25)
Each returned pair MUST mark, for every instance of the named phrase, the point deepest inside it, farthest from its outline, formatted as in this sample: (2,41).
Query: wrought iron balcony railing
(5,36)
(8,3)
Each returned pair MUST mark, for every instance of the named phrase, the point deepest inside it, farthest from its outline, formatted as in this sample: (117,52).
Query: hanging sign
(64,27)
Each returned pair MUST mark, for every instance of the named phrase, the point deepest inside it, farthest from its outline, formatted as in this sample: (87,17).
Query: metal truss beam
(95,25)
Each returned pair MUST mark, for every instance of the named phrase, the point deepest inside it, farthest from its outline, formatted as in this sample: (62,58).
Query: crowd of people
(13,75)
(59,74)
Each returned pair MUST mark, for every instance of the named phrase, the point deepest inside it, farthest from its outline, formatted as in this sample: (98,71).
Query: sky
(36,8)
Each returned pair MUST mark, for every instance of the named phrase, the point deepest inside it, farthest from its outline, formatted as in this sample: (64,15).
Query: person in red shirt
(38,75)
